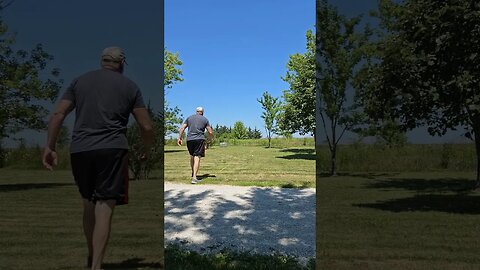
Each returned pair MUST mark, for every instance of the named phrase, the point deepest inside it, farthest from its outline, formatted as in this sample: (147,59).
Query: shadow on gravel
(29,186)
(261,220)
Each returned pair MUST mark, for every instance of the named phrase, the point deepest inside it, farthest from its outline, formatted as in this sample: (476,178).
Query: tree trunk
(333,155)
(476,131)
(269,140)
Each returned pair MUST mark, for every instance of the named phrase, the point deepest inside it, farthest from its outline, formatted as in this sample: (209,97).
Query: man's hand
(179,142)
(49,158)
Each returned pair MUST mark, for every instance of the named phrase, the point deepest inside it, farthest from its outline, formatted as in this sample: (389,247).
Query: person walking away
(103,100)
(196,145)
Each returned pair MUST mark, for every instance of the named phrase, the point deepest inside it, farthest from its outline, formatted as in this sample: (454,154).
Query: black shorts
(102,174)
(196,147)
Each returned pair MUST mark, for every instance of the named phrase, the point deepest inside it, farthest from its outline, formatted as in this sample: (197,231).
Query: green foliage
(239,131)
(63,138)
(298,112)
(340,49)
(173,119)
(141,168)
(426,68)
(172,64)
(25,84)
(173,74)
(254,133)
(178,258)
(271,107)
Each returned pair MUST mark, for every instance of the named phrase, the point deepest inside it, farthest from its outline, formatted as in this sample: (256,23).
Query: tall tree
(239,131)
(340,49)
(271,107)
(298,111)
(173,74)
(25,84)
(163,123)
(427,70)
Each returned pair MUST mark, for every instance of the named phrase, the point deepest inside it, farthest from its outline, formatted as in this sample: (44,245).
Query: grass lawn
(245,166)
(41,215)
(398,221)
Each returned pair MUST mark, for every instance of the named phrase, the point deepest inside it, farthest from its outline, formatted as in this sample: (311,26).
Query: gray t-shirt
(103,101)
(196,127)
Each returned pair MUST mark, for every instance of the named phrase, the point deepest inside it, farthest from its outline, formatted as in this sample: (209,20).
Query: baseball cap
(115,54)
(199,109)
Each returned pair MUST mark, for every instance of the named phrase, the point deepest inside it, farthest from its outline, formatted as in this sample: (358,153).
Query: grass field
(423,218)
(398,221)
(245,165)
(41,227)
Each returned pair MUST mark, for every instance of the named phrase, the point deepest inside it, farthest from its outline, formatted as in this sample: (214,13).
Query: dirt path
(208,218)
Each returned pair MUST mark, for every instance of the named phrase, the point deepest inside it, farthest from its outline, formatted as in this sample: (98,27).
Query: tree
(25,84)
(271,107)
(239,131)
(141,169)
(254,133)
(173,74)
(298,111)
(340,49)
(63,138)
(427,68)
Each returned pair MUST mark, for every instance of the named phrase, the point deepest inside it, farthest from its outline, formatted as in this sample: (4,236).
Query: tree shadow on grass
(455,204)
(29,186)
(298,153)
(367,175)
(457,185)
(206,175)
(133,263)
(174,151)
(249,219)
(449,195)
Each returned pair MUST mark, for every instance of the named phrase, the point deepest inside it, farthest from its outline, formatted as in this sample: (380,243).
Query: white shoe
(195,180)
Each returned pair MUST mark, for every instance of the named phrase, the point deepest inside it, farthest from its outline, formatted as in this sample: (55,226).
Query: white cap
(199,109)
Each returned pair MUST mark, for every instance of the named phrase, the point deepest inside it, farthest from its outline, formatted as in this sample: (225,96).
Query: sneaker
(195,180)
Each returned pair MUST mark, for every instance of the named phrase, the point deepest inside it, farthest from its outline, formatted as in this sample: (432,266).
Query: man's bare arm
(210,133)
(180,133)
(64,107)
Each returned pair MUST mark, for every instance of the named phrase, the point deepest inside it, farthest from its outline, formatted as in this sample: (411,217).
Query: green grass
(245,166)
(41,215)
(398,221)
(177,258)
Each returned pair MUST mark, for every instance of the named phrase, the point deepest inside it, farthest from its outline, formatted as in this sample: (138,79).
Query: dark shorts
(102,174)
(196,147)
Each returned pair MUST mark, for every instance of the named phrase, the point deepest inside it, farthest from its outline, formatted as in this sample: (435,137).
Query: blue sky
(232,51)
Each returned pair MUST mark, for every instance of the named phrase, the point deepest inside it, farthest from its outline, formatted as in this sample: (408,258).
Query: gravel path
(208,218)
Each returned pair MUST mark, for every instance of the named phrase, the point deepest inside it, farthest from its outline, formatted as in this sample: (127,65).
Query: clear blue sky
(232,51)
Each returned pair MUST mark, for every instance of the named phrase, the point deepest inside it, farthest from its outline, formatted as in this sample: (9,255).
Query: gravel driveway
(208,218)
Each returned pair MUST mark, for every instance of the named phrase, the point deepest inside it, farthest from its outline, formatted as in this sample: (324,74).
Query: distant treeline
(356,157)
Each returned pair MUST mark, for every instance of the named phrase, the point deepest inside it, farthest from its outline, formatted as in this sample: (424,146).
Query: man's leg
(191,164)
(88,226)
(103,221)
(196,165)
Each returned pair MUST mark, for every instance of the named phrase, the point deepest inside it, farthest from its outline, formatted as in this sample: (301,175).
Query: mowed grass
(41,224)
(398,221)
(245,166)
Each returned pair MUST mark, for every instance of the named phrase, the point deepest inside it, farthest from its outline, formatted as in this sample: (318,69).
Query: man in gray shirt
(196,124)
(103,100)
